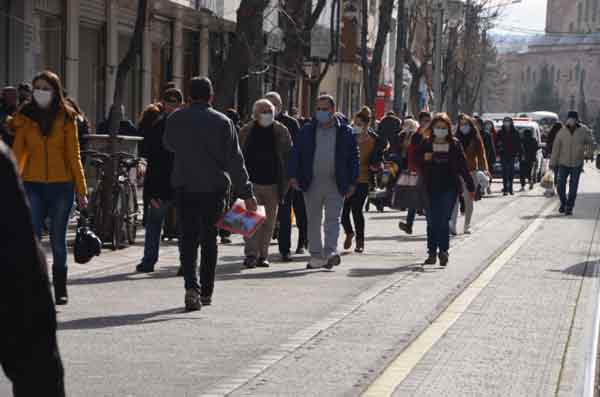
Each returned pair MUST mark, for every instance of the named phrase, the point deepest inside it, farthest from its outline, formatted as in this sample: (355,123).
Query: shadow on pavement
(121,320)
(376,272)
(396,238)
(253,274)
(580,269)
(160,273)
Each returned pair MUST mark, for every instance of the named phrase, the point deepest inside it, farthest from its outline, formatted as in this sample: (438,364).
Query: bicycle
(125,209)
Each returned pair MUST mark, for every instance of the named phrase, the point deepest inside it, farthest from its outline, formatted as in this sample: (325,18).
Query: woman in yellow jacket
(46,148)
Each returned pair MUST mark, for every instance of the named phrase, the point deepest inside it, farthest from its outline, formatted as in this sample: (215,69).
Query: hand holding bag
(408,192)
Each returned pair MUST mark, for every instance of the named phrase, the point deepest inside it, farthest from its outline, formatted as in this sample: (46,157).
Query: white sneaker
(315,263)
(467,229)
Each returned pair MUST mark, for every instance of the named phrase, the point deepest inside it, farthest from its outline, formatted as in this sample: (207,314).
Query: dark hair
(556,127)
(423,115)
(233,115)
(364,115)
(24,86)
(201,89)
(59,98)
(471,122)
(172,95)
(443,118)
(327,98)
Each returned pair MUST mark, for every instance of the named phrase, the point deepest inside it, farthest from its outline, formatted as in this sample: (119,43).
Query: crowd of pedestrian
(319,171)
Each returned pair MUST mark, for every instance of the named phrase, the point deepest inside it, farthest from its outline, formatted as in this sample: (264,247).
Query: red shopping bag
(239,220)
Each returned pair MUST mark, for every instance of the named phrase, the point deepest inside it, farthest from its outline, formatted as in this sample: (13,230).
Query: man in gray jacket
(208,162)
(568,155)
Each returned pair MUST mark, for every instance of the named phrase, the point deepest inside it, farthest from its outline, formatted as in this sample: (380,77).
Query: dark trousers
(293,199)
(355,205)
(573,174)
(410,217)
(198,213)
(438,226)
(526,172)
(508,174)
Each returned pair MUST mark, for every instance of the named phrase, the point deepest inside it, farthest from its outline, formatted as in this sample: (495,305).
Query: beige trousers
(257,246)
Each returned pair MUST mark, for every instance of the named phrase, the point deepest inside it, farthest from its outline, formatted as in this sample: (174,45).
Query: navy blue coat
(346,156)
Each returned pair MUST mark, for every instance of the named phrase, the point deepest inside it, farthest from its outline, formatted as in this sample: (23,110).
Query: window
(551,77)
(49,43)
(571,27)
(577,72)
(161,33)
(528,73)
(557,75)
(91,73)
(587,10)
(522,76)
(579,16)
(191,58)
(534,76)
(570,74)
(595,10)
(582,76)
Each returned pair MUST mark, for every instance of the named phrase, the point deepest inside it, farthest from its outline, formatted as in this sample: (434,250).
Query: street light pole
(437,59)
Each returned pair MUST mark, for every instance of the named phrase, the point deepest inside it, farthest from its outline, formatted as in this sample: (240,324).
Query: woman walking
(442,162)
(370,160)
(46,148)
(470,138)
(266,144)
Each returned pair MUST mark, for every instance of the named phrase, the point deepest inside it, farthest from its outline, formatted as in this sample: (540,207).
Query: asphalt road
(293,332)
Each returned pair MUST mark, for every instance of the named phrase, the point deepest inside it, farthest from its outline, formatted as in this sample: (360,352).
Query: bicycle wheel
(131,211)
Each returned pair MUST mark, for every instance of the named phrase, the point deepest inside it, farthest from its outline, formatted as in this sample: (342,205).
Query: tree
(245,55)
(116,115)
(544,95)
(372,67)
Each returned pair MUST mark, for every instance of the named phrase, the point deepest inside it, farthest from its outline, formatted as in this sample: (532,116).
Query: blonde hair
(260,102)
(410,124)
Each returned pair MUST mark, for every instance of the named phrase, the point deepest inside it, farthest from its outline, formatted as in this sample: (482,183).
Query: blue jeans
(154,224)
(508,174)
(55,201)
(573,173)
(438,216)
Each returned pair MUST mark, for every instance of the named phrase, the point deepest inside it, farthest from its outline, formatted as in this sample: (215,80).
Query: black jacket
(490,148)
(530,149)
(28,349)
(290,123)
(157,182)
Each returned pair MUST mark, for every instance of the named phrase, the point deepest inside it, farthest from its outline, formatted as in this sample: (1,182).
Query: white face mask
(265,119)
(356,130)
(440,132)
(465,129)
(42,98)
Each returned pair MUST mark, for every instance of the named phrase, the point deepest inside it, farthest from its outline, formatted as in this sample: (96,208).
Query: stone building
(568,54)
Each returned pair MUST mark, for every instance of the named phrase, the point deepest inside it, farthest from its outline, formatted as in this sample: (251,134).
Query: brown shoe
(348,241)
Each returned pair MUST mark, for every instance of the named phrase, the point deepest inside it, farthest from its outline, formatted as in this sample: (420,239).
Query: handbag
(408,193)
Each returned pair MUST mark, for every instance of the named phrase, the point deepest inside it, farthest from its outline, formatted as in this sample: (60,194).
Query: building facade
(568,55)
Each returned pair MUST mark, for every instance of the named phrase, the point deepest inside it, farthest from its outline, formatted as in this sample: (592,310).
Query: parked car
(540,166)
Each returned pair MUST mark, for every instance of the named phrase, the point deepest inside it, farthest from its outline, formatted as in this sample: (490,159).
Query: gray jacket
(569,148)
(208,158)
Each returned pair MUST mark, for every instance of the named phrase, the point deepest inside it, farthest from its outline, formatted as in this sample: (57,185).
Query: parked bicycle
(125,209)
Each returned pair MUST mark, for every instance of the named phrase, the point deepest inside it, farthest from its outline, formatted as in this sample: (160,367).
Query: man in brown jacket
(568,153)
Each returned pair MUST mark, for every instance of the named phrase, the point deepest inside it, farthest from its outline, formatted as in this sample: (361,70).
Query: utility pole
(437,59)
(400,54)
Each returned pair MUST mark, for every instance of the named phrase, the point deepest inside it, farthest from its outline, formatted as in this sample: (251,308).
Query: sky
(528,14)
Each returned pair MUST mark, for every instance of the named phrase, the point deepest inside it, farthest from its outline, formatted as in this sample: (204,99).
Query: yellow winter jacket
(52,158)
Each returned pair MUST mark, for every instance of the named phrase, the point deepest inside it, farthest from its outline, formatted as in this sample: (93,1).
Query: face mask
(440,132)
(323,116)
(42,98)
(356,130)
(506,125)
(265,119)
(571,122)
(465,129)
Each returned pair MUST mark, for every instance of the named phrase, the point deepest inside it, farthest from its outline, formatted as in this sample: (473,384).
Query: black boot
(59,279)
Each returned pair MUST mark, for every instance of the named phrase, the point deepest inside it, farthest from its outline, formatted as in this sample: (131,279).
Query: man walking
(568,153)
(294,198)
(157,180)
(324,164)
(208,160)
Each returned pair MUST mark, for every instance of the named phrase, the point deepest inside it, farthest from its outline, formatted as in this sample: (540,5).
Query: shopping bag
(548,180)
(238,220)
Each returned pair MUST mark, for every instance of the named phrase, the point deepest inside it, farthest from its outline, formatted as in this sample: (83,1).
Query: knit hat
(573,115)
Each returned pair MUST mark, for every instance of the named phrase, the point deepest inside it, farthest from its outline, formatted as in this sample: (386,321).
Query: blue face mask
(323,116)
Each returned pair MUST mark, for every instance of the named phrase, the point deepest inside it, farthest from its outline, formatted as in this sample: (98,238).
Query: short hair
(274,94)
(172,95)
(265,102)
(328,98)
(423,115)
(201,89)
